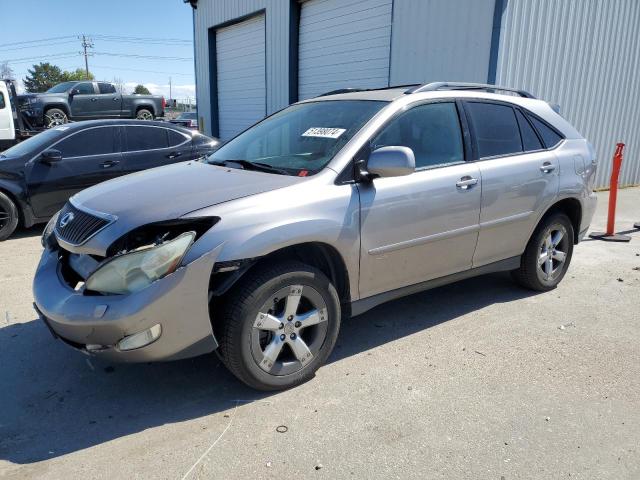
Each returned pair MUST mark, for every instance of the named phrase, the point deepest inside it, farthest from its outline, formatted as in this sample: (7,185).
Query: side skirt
(360,306)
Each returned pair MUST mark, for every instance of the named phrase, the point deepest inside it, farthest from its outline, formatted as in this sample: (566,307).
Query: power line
(142,39)
(38,46)
(36,41)
(143,71)
(40,57)
(149,57)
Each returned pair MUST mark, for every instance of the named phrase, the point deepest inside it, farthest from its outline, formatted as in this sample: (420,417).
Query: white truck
(14,126)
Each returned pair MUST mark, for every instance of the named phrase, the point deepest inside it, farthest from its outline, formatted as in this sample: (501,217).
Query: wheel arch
(145,107)
(14,196)
(572,208)
(320,255)
(60,106)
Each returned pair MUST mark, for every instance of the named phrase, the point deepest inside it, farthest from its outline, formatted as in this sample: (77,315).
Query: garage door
(343,43)
(240,56)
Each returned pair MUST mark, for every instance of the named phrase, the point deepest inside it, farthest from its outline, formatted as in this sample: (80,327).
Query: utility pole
(170,96)
(86,43)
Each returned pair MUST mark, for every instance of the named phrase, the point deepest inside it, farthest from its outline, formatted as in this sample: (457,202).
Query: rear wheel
(144,114)
(279,325)
(54,117)
(8,216)
(548,254)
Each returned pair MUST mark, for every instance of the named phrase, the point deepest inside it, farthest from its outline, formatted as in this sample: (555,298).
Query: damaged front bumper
(97,324)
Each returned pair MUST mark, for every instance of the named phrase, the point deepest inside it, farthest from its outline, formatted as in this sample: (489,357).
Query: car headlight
(134,271)
(48,230)
(32,100)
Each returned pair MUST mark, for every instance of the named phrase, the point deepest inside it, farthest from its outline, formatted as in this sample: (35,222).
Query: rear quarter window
(549,136)
(175,138)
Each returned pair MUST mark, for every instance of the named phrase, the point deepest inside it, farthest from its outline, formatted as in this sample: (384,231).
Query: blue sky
(153,23)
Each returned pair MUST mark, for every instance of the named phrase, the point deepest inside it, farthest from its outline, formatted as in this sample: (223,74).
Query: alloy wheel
(144,116)
(289,330)
(5,217)
(553,253)
(54,119)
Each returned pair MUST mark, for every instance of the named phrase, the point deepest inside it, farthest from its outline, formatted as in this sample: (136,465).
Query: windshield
(33,144)
(301,139)
(61,87)
(187,116)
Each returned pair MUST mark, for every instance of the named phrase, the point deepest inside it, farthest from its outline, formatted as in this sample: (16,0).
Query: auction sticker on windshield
(324,132)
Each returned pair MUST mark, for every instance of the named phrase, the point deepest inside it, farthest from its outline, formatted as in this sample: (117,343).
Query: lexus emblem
(66,219)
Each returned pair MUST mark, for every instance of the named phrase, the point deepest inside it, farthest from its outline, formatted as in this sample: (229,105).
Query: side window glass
(2,102)
(85,88)
(106,88)
(530,140)
(496,129)
(146,138)
(175,138)
(549,136)
(95,141)
(432,131)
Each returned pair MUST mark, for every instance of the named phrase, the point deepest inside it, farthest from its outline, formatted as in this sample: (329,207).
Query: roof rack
(350,90)
(435,86)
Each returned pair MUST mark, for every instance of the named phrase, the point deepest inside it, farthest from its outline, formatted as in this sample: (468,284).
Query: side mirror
(74,91)
(391,162)
(51,156)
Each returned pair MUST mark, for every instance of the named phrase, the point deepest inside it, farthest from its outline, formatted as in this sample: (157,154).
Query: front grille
(75,226)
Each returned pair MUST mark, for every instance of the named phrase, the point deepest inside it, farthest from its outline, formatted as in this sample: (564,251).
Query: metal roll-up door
(343,43)
(240,58)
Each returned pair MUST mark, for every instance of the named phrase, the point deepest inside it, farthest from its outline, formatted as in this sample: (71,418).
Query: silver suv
(320,211)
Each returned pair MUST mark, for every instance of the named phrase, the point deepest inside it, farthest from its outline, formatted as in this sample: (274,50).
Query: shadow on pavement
(55,402)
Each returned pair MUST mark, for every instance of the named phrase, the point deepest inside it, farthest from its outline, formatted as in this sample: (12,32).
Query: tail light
(192,123)
(164,103)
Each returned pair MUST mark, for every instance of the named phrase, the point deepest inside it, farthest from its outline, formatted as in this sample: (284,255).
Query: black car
(39,175)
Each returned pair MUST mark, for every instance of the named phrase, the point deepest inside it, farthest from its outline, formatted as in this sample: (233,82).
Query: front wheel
(279,325)
(144,114)
(54,117)
(548,254)
(8,216)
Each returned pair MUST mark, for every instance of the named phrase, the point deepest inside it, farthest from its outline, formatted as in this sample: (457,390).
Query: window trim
(116,143)
(462,124)
(93,86)
(528,113)
(125,143)
(525,112)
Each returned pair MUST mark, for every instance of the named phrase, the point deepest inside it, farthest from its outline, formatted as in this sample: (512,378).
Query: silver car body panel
(395,235)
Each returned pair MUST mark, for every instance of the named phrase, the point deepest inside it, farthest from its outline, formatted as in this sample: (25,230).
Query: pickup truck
(86,100)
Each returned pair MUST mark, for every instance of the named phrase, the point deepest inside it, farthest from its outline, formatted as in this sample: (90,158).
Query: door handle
(174,155)
(109,163)
(546,167)
(115,99)
(466,182)
(94,99)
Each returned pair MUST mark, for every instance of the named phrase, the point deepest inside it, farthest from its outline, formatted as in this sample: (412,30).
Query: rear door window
(2,102)
(106,88)
(496,129)
(146,138)
(530,140)
(549,136)
(94,141)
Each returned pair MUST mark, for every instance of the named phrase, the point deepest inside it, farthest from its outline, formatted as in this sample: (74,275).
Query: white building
(254,57)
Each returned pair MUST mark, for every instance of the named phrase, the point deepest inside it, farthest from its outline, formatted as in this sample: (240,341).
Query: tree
(77,74)
(6,72)
(44,75)
(141,90)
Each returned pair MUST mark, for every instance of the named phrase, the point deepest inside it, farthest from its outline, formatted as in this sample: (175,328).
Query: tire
(294,351)
(8,216)
(144,114)
(540,270)
(54,117)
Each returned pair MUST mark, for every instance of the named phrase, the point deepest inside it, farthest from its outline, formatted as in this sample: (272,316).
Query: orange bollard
(610,234)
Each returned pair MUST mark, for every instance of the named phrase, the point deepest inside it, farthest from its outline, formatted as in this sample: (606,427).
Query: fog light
(140,339)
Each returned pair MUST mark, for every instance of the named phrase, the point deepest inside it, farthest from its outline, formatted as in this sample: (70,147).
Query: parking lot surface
(479,379)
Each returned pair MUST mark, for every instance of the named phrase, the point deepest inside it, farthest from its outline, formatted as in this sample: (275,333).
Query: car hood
(167,193)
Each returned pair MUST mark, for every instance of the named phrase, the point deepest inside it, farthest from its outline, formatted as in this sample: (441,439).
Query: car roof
(73,126)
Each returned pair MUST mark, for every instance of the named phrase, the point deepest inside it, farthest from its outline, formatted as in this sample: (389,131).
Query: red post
(610,234)
(613,188)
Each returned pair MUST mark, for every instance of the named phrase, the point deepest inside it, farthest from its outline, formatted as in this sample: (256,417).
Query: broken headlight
(133,271)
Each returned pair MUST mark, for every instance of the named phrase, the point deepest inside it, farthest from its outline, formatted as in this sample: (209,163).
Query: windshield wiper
(248,165)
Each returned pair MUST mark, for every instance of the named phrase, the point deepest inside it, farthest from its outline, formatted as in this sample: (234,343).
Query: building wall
(436,40)
(211,13)
(585,56)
